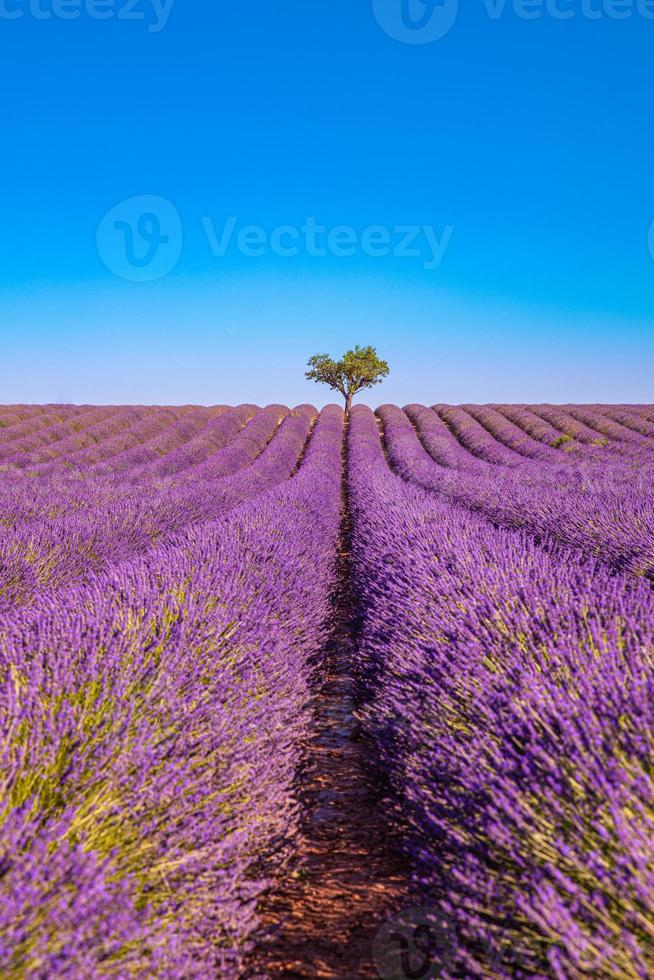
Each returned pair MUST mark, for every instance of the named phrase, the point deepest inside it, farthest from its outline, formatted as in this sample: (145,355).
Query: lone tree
(357,369)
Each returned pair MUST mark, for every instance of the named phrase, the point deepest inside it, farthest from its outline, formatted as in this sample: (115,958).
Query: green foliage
(561,441)
(357,369)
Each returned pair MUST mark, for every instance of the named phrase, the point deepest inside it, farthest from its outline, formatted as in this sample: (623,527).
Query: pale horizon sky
(519,151)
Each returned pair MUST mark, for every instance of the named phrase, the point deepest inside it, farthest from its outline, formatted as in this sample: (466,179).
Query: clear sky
(506,145)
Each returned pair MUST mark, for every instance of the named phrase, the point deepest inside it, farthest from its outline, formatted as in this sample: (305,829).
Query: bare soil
(350,876)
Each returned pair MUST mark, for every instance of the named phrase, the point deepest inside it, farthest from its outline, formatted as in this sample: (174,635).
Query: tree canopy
(357,369)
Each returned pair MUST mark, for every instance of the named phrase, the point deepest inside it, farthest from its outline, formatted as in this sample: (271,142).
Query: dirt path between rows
(350,875)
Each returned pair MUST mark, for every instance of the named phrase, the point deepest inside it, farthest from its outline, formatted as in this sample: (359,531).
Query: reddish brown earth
(349,876)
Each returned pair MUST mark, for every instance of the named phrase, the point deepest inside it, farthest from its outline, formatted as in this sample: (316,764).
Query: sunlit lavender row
(507,684)
(155,691)
(167,589)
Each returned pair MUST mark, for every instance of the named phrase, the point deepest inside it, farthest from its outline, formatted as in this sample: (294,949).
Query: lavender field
(173,585)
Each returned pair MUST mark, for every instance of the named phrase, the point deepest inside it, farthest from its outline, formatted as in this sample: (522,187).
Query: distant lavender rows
(506,676)
(165,582)
(58,528)
(153,718)
(599,500)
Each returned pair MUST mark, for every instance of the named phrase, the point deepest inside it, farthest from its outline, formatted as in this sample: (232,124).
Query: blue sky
(513,156)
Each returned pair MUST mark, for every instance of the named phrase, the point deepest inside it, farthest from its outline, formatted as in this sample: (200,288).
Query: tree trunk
(348,403)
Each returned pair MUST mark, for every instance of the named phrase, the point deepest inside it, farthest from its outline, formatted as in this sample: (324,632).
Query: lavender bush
(166,586)
(509,693)
(153,719)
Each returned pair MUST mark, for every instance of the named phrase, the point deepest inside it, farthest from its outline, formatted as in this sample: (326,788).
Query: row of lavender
(155,693)
(142,568)
(602,506)
(467,436)
(78,446)
(47,439)
(507,684)
(60,527)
